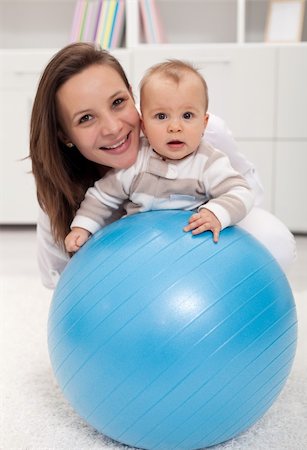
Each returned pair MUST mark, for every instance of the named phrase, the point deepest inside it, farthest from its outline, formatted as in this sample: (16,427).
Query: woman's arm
(51,258)
(220,137)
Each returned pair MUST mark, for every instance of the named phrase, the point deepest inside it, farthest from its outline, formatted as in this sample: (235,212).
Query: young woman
(73,143)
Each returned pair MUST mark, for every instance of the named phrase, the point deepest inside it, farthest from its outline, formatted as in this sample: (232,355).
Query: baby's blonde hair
(175,70)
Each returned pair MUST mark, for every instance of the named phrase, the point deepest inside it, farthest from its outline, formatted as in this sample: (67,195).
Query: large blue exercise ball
(164,340)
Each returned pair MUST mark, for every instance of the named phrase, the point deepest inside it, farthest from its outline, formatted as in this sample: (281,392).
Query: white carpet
(35,416)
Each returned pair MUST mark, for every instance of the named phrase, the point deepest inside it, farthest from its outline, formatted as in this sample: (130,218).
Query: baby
(174,169)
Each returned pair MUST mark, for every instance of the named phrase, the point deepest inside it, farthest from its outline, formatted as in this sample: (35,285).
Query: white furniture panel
(261,154)
(292,92)
(291,184)
(18,199)
(239,91)
(20,72)
(124,56)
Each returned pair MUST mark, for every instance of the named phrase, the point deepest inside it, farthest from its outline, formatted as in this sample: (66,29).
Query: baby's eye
(187,115)
(161,116)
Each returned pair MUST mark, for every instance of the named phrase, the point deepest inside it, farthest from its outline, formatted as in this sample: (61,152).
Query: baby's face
(173,114)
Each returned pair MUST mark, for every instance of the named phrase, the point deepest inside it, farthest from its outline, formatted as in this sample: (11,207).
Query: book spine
(95,31)
(105,42)
(77,20)
(146,20)
(118,25)
(83,19)
(157,28)
(88,24)
(152,25)
(101,21)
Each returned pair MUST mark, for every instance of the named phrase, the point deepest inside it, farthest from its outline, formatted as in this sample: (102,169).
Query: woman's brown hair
(62,175)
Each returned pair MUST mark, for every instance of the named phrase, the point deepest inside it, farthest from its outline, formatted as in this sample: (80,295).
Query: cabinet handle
(21,73)
(213,60)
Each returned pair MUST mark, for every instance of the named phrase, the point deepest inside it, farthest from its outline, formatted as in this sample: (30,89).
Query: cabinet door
(261,155)
(240,81)
(20,72)
(292,92)
(18,203)
(291,184)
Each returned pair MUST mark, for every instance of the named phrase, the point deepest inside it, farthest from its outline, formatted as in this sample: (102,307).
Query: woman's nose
(110,125)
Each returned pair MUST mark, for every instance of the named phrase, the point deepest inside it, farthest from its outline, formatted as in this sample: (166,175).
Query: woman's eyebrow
(78,113)
(117,93)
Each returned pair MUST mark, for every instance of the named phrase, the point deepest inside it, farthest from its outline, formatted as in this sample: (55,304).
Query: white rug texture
(36,416)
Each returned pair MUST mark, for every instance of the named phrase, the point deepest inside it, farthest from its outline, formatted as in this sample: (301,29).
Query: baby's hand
(202,221)
(76,238)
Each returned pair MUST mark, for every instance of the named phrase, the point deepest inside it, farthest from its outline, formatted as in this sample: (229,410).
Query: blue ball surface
(164,340)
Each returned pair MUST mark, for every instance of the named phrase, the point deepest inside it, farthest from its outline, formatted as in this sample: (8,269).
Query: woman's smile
(119,147)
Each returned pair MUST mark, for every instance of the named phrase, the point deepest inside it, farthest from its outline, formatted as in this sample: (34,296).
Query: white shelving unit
(258,88)
(46,23)
(206,21)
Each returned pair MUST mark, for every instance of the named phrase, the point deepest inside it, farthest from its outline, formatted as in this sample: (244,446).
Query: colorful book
(111,23)
(118,25)
(91,21)
(78,20)
(151,21)
(100,21)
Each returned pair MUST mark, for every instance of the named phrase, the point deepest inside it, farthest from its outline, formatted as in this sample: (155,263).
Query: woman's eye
(118,102)
(187,115)
(86,118)
(161,116)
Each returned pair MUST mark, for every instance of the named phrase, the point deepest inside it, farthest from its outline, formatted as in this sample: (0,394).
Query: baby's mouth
(175,144)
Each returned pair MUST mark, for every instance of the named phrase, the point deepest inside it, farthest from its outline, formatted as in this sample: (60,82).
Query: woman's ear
(64,139)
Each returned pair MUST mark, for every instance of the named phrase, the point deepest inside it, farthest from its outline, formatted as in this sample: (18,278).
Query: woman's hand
(76,238)
(202,221)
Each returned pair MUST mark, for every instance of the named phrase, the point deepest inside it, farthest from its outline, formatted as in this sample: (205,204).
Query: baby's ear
(206,118)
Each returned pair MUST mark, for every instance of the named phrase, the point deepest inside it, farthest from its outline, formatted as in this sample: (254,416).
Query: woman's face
(97,114)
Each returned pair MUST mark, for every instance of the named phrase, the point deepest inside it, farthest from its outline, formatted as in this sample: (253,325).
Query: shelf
(199,21)
(47,23)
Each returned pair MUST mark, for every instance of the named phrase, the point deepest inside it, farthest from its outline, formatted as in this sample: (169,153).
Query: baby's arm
(230,197)
(102,205)
(76,238)
(202,221)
